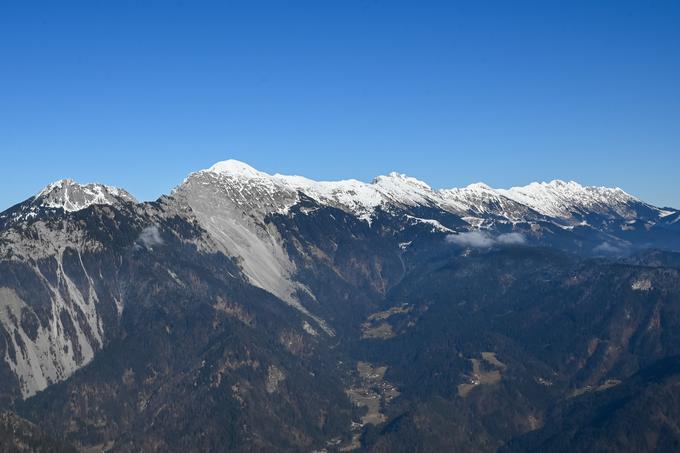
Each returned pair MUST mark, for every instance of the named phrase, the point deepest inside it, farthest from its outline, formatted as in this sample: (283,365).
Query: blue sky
(139,94)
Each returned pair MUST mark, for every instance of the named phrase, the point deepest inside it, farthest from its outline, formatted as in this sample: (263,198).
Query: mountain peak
(479,186)
(70,196)
(236,168)
(56,185)
(400,179)
(560,198)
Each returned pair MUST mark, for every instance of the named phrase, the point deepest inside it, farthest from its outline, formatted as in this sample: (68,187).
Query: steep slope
(232,201)
(482,345)
(202,361)
(639,414)
(61,293)
(238,206)
(21,436)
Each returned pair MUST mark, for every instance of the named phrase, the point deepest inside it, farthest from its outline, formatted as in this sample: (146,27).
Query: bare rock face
(62,288)
(58,299)
(233,210)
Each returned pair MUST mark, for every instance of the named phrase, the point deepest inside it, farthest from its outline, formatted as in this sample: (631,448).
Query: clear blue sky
(138,94)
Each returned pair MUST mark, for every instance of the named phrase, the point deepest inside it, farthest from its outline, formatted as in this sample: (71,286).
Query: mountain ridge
(556,198)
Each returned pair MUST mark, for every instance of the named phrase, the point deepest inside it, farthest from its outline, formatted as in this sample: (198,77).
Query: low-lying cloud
(609,249)
(482,239)
(475,239)
(511,238)
(150,237)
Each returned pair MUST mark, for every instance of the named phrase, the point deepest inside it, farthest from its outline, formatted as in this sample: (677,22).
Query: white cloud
(481,239)
(608,249)
(474,239)
(511,238)
(150,236)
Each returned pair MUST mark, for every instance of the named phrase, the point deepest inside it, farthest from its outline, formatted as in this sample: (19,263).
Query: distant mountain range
(254,312)
(569,203)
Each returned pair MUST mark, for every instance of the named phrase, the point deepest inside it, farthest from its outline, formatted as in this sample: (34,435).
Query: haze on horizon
(139,96)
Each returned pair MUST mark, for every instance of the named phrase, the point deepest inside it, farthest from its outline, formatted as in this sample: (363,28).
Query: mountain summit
(71,196)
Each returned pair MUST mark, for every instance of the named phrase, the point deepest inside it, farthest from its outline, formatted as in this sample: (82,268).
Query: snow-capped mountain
(569,199)
(71,196)
(234,202)
(478,200)
(568,202)
(259,193)
(279,192)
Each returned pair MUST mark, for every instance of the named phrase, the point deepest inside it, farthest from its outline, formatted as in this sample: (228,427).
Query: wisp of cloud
(481,239)
(511,238)
(609,249)
(150,236)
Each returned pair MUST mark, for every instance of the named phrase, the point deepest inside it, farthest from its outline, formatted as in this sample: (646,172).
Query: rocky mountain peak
(71,196)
